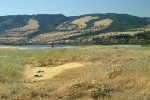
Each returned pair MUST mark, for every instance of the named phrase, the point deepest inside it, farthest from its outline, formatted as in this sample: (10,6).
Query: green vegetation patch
(10,22)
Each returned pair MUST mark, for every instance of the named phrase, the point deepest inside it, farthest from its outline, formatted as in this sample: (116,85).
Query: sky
(139,8)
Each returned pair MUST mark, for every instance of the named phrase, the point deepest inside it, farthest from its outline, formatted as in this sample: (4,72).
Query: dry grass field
(119,72)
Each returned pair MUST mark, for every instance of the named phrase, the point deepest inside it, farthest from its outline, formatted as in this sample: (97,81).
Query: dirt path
(43,73)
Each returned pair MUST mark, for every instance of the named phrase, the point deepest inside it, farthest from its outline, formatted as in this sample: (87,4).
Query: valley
(87,57)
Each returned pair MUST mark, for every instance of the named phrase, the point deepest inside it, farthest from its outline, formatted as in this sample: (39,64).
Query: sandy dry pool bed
(42,73)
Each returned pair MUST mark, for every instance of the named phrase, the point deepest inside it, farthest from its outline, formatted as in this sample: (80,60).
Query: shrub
(37,94)
(75,94)
(95,90)
(114,71)
(146,43)
(101,92)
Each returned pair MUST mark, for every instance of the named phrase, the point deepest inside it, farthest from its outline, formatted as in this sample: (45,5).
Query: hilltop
(84,29)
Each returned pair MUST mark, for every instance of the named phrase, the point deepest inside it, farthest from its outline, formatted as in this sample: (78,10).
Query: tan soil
(43,73)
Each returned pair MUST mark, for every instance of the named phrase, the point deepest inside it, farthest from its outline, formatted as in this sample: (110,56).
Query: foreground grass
(12,61)
(110,72)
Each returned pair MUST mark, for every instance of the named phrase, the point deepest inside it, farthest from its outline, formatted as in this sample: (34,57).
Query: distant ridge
(60,28)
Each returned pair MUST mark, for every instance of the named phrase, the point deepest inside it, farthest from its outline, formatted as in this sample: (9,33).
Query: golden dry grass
(118,33)
(129,32)
(105,22)
(109,72)
(18,34)
(81,22)
(78,24)
(32,25)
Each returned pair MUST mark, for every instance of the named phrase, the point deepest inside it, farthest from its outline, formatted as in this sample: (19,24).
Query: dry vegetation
(51,37)
(70,30)
(118,33)
(129,32)
(58,36)
(21,33)
(81,22)
(109,73)
(25,30)
(105,22)
(32,24)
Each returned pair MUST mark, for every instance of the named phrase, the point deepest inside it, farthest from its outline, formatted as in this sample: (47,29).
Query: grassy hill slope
(77,27)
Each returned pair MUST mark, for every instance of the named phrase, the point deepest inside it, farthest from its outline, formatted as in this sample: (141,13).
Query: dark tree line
(137,39)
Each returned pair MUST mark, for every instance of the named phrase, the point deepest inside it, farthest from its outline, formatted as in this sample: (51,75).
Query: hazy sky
(75,7)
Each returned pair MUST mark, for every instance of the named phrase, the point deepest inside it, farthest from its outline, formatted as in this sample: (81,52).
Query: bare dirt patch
(42,73)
